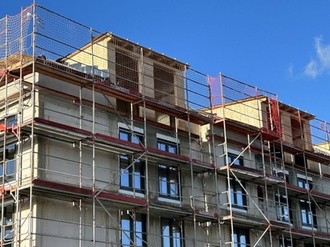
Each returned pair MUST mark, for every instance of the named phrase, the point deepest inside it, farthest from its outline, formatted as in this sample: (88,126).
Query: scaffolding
(107,143)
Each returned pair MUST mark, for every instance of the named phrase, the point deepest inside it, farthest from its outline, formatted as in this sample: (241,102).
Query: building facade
(105,142)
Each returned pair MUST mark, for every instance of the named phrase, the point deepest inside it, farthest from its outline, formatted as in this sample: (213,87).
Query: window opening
(241,237)
(171,233)
(132,177)
(238,196)
(133,230)
(168,176)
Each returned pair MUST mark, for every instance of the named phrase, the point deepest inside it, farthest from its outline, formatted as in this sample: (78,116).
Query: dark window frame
(285,242)
(8,157)
(307,213)
(137,170)
(169,176)
(173,238)
(134,235)
(239,161)
(282,208)
(240,233)
(10,120)
(238,195)
(168,146)
(305,183)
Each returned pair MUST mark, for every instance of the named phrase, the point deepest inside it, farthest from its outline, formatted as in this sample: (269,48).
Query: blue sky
(279,46)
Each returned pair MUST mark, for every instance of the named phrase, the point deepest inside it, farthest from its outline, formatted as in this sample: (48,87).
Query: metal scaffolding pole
(33,107)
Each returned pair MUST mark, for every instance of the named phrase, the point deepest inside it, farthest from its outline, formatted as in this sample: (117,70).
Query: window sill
(240,210)
(12,180)
(285,222)
(131,193)
(173,201)
(310,228)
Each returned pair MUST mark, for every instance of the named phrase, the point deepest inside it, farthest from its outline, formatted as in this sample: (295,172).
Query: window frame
(282,208)
(136,231)
(284,174)
(169,146)
(307,214)
(8,160)
(174,239)
(307,208)
(233,156)
(285,242)
(129,173)
(304,182)
(238,234)
(235,191)
(11,120)
(168,173)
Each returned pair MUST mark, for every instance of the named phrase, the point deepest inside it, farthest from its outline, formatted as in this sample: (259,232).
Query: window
(7,225)
(167,146)
(307,208)
(300,160)
(237,160)
(238,196)
(169,183)
(282,209)
(281,174)
(305,182)
(133,230)
(241,237)
(285,242)
(171,233)
(168,176)
(7,161)
(132,176)
(11,121)
(307,213)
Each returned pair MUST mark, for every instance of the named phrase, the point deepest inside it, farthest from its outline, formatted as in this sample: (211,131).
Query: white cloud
(323,52)
(321,63)
(290,70)
(311,69)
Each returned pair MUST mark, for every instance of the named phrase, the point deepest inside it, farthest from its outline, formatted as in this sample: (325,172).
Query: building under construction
(105,142)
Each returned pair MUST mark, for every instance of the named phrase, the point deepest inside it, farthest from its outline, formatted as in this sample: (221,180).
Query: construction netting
(16,36)
(39,32)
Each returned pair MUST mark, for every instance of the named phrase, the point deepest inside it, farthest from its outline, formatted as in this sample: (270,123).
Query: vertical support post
(263,160)
(19,158)
(213,158)
(80,167)
(327,133)
(190,157)
(232,238)
(4,137)
(303,147)
(265,186)
(93,134)
(145,140)
(33,102)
